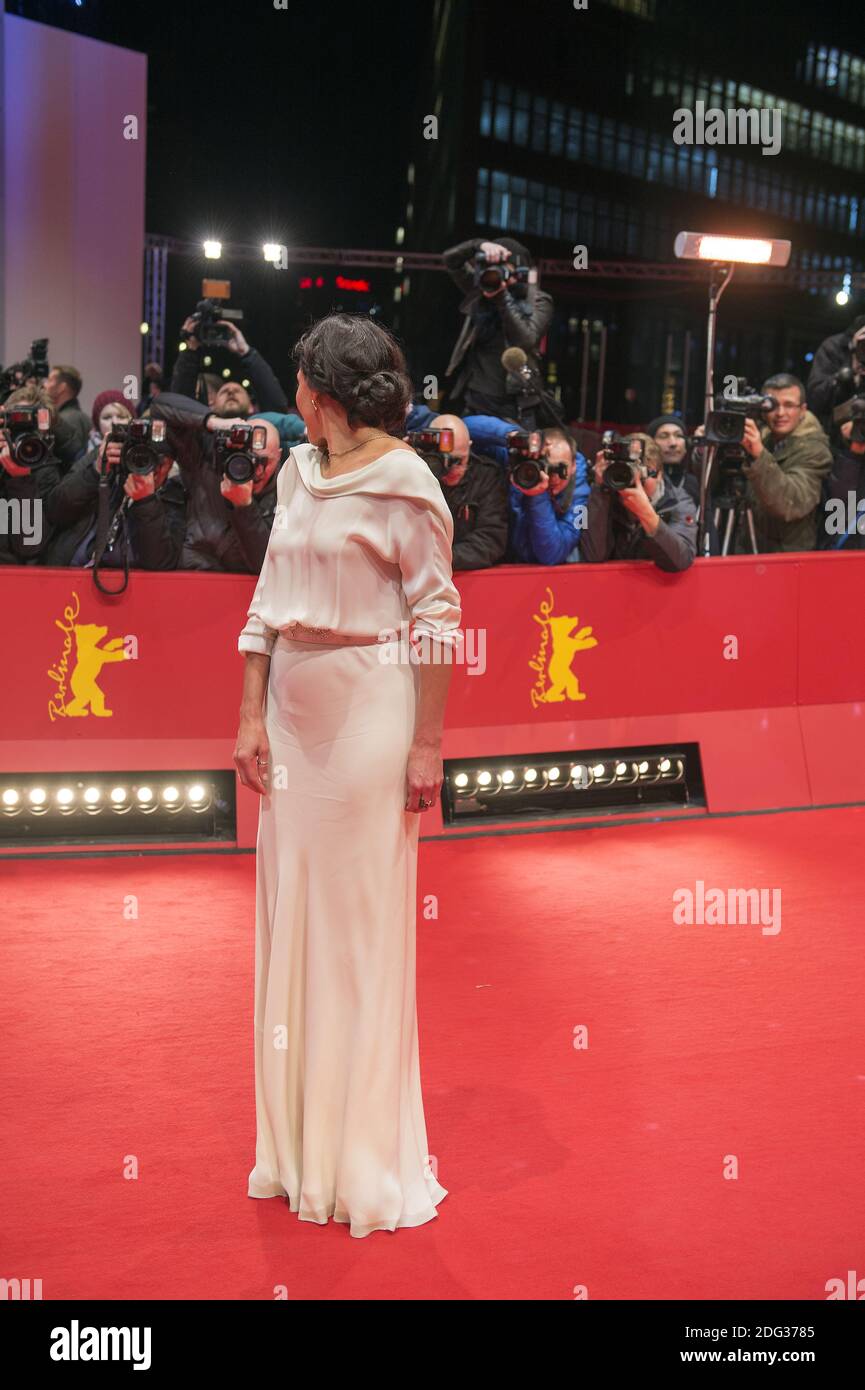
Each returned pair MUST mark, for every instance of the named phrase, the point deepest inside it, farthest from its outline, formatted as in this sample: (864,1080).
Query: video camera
(208,311)
(34,367)
(435,448)
(491,275)
(237,451)
(142,444)
(727,426)
(625,460)
(28,431)
(853,409)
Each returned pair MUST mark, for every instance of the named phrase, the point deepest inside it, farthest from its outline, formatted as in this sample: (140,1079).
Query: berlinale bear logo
(555,667)
(81,694)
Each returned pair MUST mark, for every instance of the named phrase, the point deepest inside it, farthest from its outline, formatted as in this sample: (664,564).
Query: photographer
(649,519)
(73,507)
(547,517)
(788,461)
(225,526)
(475,492)
(72,426)
(502,308)
(267,391)
(837,373)
(25,488)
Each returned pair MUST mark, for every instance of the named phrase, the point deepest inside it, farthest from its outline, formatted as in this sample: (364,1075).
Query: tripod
(737,509)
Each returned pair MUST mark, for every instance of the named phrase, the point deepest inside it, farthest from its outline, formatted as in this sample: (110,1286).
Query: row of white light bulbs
(579,773)
(39,798)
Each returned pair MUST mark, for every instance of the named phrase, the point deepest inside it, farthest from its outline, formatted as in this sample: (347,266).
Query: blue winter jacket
(542,531)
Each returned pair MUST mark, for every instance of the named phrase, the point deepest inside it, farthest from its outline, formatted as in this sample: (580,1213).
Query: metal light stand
(721,275)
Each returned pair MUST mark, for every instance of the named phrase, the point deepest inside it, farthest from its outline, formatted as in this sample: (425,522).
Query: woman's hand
(252,754)
(424,775)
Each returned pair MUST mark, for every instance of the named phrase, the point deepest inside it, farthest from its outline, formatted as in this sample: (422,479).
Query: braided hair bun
(359,364)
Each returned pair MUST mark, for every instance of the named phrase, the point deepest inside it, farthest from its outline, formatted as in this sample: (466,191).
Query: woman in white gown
(340,733)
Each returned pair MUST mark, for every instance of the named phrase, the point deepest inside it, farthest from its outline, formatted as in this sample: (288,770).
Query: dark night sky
(297,118)
(268,125)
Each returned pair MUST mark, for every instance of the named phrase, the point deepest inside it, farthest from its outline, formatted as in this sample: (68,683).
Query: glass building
(555,125)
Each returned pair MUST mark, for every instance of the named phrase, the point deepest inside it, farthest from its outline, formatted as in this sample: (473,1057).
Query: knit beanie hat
(109,398)
(654,425)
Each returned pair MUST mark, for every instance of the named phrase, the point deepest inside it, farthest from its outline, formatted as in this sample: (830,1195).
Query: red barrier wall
(759,660)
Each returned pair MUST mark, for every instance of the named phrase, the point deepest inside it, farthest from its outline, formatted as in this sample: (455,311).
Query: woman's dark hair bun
(359,364)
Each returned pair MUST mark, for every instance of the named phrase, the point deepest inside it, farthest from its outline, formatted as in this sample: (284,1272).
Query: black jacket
(73,513)
(214,535)
(612,533)
(71,433)
(32,495)
(522,323)
(479,507)
(264,387)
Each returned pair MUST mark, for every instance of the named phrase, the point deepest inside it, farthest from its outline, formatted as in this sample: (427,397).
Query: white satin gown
(340,1122)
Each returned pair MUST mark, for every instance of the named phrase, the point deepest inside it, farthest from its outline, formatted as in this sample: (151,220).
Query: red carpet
(129,1041)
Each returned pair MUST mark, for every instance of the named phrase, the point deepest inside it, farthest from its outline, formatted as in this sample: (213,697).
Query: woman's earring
(315,405)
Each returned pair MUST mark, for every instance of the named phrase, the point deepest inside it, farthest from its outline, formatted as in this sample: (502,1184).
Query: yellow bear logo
(555,667)
(90,658)
(566,643)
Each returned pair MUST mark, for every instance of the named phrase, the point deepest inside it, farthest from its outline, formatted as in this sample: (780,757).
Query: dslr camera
(491,275)
(237,451)
(625,460)
(142,444)
(208,330)
(526,459)
(28,431)
(435,448)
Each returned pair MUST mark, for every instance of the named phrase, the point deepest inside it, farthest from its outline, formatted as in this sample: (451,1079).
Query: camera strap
(108,529)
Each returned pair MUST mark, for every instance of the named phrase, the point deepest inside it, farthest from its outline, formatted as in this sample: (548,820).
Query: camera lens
(619,476)
(139,458)
(526,474)
(239,468)
(29,450)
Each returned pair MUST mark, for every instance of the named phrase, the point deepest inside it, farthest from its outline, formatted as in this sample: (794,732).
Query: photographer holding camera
(547,499)
(124,453)
(549,486)
(473,489)
(267,391)
(502,308)
(788,460)
(634,512)
(837,373)
(223,518)
(29,474)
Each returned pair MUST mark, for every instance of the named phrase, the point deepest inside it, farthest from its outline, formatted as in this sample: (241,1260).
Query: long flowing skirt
(340,1121)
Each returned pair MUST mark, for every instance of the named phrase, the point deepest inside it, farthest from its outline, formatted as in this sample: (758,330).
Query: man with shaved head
(476,494)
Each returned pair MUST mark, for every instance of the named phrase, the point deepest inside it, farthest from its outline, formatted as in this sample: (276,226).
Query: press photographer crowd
(185,477)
